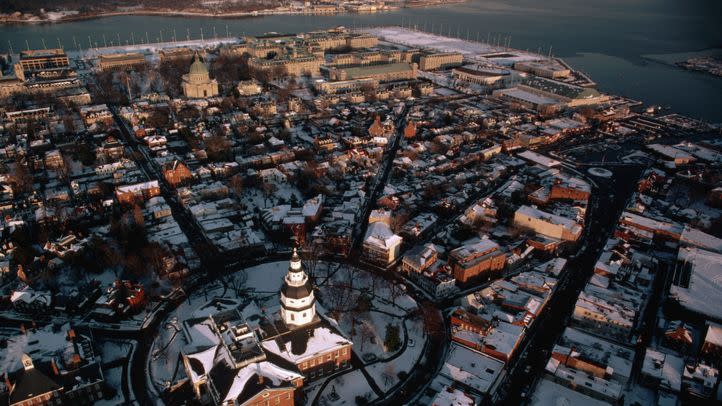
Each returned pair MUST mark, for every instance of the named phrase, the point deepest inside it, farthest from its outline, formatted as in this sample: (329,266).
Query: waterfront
(615,61)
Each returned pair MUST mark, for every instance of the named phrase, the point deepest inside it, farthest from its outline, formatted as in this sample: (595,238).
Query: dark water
(608,39)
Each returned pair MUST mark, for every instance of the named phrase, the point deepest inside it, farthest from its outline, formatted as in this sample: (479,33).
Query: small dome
(197,67)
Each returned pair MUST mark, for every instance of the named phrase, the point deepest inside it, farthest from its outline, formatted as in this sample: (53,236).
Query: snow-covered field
(470,49)
(346,388)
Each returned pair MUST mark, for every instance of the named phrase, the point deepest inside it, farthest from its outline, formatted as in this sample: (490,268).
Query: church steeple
(298,303)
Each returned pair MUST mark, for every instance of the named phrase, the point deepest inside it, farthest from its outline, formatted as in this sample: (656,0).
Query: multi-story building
(712,345)
(344,86)
(292,63)
(472,260)
(52,366)
(383,72)
(120,61)
(547,224)
(545,69)
(419,259)
(176,173)
(479,76)
(441,60)
(96,114)
(130,194)
(381,246)
(42,59)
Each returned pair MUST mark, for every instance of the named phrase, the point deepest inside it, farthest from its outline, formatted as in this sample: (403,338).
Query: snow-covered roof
(666,368)
(320,341)
(696,238)
(471,368)
(703,294)
(267,370)
(380,235)
(714,334)
(453,397)
(548,393)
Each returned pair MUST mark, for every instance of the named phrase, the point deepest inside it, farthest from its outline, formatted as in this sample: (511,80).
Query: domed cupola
(298,303)
(198,70)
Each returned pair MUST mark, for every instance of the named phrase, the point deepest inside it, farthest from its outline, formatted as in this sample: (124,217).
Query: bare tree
(388,374)
(366,333)
(236,184)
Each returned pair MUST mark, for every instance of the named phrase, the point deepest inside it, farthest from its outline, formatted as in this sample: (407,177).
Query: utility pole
(132,37)
(105,43)
(10,47)
(43,41)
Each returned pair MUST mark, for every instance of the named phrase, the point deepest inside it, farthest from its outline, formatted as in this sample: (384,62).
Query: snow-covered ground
(344,389)
(471,50)
(114,379)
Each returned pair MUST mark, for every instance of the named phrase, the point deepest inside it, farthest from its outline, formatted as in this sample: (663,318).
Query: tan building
(120,61)
(383,73)
(479,76)
(333,40)
(197,83)
(537,93)
(364,58)
(234,50)
(265,108)
(292,64)
(42,59)
(343,86)
(545,69)
(176,54)
(440,60)
(11,85)
(547,224)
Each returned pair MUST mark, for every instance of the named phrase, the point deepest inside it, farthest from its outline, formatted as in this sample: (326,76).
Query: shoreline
(202,14)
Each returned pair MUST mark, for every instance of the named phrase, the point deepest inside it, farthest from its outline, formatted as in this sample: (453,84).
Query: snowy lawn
(344,389)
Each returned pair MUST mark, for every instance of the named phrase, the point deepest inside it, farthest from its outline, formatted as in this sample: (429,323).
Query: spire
(295,263)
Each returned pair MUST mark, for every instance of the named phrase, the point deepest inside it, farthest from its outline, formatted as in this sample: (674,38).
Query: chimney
(7,382)
(260,375)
